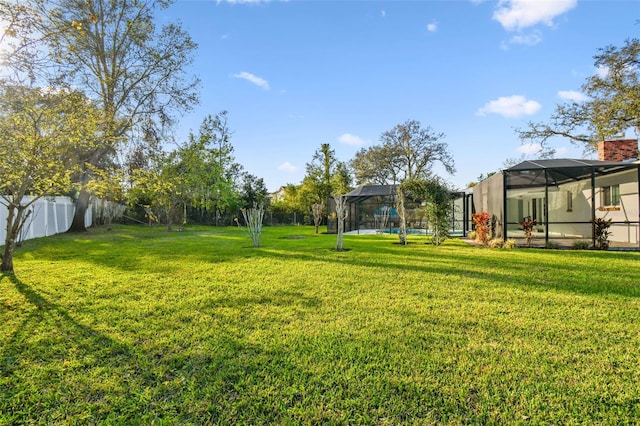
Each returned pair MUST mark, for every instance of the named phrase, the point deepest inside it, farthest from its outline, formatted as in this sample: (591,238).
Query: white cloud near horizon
(516,15)
(571,95)
(530,148)
(432,27)
(258,81)
(510,107)
(353,140)
(288,167)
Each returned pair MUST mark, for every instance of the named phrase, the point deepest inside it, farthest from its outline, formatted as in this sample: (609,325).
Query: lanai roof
(364,192)
(561,170)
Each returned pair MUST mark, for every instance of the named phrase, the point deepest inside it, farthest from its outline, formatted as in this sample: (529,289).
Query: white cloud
(519,14)
(571,95)
(288,167)
(529,148)
(353,140)
(258,81)
(432,27)
(530,39)
(510,107)
(383,13)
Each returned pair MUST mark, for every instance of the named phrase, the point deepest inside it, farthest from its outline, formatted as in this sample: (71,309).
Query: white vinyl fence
(49,216)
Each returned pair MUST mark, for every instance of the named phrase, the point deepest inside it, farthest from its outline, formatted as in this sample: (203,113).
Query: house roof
(561,170)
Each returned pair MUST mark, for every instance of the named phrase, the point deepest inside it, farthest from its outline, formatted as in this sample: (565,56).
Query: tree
(439,209)
(326,176)
(159,189)
(39,133)
(19,42)
(222,178)
(611,105)
(407,152)
(436,197)
(416,149)
(319,172)
(113,51)
(318,212)
(375,165)
(290,203)
(211,181)
(341,180)
(108,191)
(254,191)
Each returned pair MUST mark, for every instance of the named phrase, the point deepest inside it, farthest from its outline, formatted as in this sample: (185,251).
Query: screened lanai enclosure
(564,197)
(372,208)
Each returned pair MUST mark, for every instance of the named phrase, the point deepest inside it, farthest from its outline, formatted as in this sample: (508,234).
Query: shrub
(601,232)
(495,243)
(472,235)
(482,221)
(551,245)
(253,218)
(528,223)
(582,245)
(510,244)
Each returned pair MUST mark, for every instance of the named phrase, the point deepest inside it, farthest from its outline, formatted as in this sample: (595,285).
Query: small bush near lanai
(582,245)
(510,244)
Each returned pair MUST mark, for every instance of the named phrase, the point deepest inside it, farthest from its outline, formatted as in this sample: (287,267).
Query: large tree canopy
(407,152)
(612,104)
(112,50)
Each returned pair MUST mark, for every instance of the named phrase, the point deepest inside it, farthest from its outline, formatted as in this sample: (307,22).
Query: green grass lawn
(141,326)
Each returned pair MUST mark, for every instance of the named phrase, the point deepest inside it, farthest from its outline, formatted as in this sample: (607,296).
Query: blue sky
(296,74)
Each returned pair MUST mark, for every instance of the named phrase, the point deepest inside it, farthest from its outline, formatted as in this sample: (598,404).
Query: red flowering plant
(481,221)
(528,224)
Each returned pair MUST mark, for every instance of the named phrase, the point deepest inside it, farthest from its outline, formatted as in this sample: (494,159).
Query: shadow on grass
(56,369)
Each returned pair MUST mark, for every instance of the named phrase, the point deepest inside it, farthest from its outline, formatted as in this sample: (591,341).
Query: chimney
(618,150)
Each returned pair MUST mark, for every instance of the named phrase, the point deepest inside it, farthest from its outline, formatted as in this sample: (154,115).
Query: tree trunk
(82,204)
(7,258)
(15,220)
(402,213)
(340,240)
(9,244)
